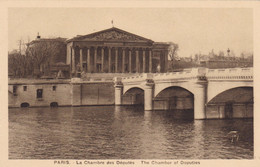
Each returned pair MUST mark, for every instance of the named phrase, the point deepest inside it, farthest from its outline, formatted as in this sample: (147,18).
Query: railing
(230,73)
(186,73)
(216,74)
(139,77)
(36,81)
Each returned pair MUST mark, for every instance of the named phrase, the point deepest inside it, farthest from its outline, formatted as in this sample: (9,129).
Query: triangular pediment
(112,34)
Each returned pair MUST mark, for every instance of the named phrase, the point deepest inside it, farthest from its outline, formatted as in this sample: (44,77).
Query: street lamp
(228,51)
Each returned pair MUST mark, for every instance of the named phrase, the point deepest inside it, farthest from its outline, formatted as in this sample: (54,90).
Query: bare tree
(17,64)
(42,53)
(172,54)
(173,49)
(13,63)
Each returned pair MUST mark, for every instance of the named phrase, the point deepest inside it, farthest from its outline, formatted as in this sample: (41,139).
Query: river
(109,132)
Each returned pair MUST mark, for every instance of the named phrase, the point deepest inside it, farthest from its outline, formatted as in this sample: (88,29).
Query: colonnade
(112,59)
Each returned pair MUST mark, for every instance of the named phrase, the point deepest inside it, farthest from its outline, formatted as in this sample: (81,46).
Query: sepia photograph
(130,83)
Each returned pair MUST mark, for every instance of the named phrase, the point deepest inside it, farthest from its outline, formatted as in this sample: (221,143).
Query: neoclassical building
(116,51)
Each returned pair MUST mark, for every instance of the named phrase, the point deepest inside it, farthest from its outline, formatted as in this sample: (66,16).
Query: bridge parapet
(138,78)
(195,73)
(230,74)
(192,73)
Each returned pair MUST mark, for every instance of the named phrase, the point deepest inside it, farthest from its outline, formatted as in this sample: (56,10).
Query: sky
(195,30)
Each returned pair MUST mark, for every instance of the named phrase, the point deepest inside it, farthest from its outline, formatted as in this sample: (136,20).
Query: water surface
(108,132)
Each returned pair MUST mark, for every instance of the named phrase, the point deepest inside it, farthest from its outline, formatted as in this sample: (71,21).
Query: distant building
(212,61)
(116,51)
(226,63)
(221,61)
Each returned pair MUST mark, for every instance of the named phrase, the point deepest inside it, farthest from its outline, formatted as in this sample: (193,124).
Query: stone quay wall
(74,92)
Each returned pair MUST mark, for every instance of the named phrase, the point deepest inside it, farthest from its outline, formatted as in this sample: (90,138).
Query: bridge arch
(178,87)
(236,102)
(133,96)
(216,88)
(129,87)
(162,86)
(177,99)
(236,96)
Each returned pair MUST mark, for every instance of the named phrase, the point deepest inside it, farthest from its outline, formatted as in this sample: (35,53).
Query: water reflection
(122,132)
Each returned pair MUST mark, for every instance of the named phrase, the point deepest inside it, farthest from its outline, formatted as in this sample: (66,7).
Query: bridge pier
(148,97)
(200,101)
(118,91)
(118,94)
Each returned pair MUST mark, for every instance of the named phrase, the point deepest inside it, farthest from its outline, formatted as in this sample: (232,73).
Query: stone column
(81,59)
(200,101)
(130,61)
(166,61)
(118,91)
(148,95)
(86,70)
(143,60)
(73,59)
(137,61)
(123,60)
(95,60)
(150,61)
(116,60)
(88,60)
(102,59)
(109,59)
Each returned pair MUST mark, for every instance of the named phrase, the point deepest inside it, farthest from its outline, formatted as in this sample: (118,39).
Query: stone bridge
(204,84)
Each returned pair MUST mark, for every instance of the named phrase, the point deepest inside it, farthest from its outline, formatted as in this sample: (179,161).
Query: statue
(78,68)
(60,74)
(158,68)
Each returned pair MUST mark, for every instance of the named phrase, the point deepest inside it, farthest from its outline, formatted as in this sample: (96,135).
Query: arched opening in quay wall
(176,99)
(232,103)
(25,104)
(133,96)
(54,104)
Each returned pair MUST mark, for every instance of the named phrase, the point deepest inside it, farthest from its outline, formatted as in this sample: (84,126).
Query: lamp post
(228,51)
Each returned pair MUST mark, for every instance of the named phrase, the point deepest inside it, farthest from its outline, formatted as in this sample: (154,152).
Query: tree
(42,53)
(13,63)
(172,54)
(19,64)
(173,49)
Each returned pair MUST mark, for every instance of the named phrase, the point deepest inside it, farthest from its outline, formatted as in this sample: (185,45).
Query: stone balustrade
(185,74)
(139,77)
(23,81)
(194,73)
(230,74)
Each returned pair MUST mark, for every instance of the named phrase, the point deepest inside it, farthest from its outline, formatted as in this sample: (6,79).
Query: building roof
(59,39)
(111,34)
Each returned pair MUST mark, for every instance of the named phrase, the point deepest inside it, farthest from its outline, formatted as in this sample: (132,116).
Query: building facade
(116,51)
